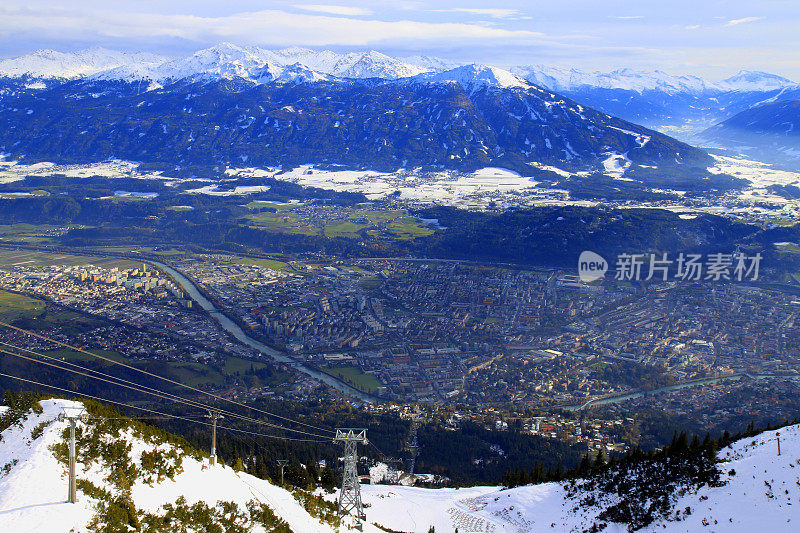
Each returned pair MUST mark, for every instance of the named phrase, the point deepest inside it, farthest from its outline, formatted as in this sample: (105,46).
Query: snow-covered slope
(70,65)
(751,80)
(564,80)
(570,79)
(761,492)
(758,490)
(365,64)
(224,60)
(33,481)
(476,75)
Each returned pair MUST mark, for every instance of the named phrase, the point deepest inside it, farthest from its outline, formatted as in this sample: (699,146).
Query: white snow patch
(616,164)
(32,494)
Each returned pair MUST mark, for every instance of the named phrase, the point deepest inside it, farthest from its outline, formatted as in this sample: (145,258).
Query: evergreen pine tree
(584,466)
(600,460)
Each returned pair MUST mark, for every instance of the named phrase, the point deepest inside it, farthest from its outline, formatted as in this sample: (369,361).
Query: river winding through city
(233,328)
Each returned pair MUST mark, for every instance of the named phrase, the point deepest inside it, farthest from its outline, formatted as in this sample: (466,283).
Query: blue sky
(712,38)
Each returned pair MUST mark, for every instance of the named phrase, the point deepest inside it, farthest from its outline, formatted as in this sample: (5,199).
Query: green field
(169,252)
(371,283)
(409,228)
(377,216)
(165,252)
(237,364)
(354,376)
(15,306)
(264,263)
(70,355)
(260,204)
(283,222)
(344,229)
(195,374)
(356,268)
(29,233)
(13,258)
(66,321)
(332,222)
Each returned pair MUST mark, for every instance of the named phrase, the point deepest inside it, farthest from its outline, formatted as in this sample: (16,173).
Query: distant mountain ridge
(226,60)
(677,105)
(565,80)
(682,106)
(462,119)
(769,132)
(72,65)
(520,123)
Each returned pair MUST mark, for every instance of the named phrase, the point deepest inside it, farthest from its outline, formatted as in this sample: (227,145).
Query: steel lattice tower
(350,493)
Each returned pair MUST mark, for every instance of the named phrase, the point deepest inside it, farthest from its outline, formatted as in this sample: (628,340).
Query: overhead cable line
(166,415)
(157,394)
(217,397)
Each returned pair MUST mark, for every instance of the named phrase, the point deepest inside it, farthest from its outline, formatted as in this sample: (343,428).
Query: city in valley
(455,341)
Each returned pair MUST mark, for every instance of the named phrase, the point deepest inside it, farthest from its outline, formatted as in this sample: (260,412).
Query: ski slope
(33,492)
(762,494)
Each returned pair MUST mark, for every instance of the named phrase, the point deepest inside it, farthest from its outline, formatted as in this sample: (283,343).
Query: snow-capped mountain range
(129,474)
(227,60)
(236,106)
(71,65)
(224,60)
(680,106)
(567,80)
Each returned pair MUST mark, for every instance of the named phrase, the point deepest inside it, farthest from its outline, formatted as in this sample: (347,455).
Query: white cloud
(742,21)
(335,10)
(266,28)
(629,17)
(693,27)
(488,12)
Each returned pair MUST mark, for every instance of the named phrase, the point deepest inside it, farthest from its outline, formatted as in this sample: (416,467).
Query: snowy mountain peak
(365,64)
(431,63)
(224,60)
(374,64)
(564,80)
(71,65)
(471,76)
(298,73)
(754,80)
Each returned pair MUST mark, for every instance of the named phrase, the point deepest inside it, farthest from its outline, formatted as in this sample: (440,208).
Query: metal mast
(72,415)
(350,493)
(282,463)
(214,416)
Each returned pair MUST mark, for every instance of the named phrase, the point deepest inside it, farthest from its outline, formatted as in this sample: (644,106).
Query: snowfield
(33,492)
(761,492)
